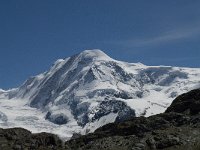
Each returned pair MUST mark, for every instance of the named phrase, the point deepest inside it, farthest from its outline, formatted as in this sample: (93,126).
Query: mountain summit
(94,54)
(90,89)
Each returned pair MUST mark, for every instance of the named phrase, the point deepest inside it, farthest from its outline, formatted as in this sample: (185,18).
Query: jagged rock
(114,106)
(57,118)
(188,103)
(20,139)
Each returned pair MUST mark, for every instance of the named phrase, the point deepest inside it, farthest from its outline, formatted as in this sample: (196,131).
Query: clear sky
(34,33)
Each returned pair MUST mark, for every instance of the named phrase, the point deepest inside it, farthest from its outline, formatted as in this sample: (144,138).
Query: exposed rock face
(21,139)
(113,106)
(57,119)
(188,103)
(176,129)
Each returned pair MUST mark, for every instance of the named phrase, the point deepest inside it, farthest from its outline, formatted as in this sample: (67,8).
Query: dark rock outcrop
(21,139)
(114,106)
(59,119)
(188,103)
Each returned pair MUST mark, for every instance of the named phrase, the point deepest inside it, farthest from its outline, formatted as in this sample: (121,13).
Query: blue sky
(33,34)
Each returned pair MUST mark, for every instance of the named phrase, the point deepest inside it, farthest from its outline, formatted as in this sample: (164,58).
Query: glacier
(88,90)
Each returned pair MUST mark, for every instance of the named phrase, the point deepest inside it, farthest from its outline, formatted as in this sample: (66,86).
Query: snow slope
(83,92)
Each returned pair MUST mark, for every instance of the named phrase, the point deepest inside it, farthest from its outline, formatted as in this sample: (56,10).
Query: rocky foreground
(176,129)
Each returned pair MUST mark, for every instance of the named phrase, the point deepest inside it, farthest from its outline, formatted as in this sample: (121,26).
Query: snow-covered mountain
(90,89)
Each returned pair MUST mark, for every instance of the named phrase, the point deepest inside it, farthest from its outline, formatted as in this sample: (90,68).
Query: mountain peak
(94,54)
(90,89)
